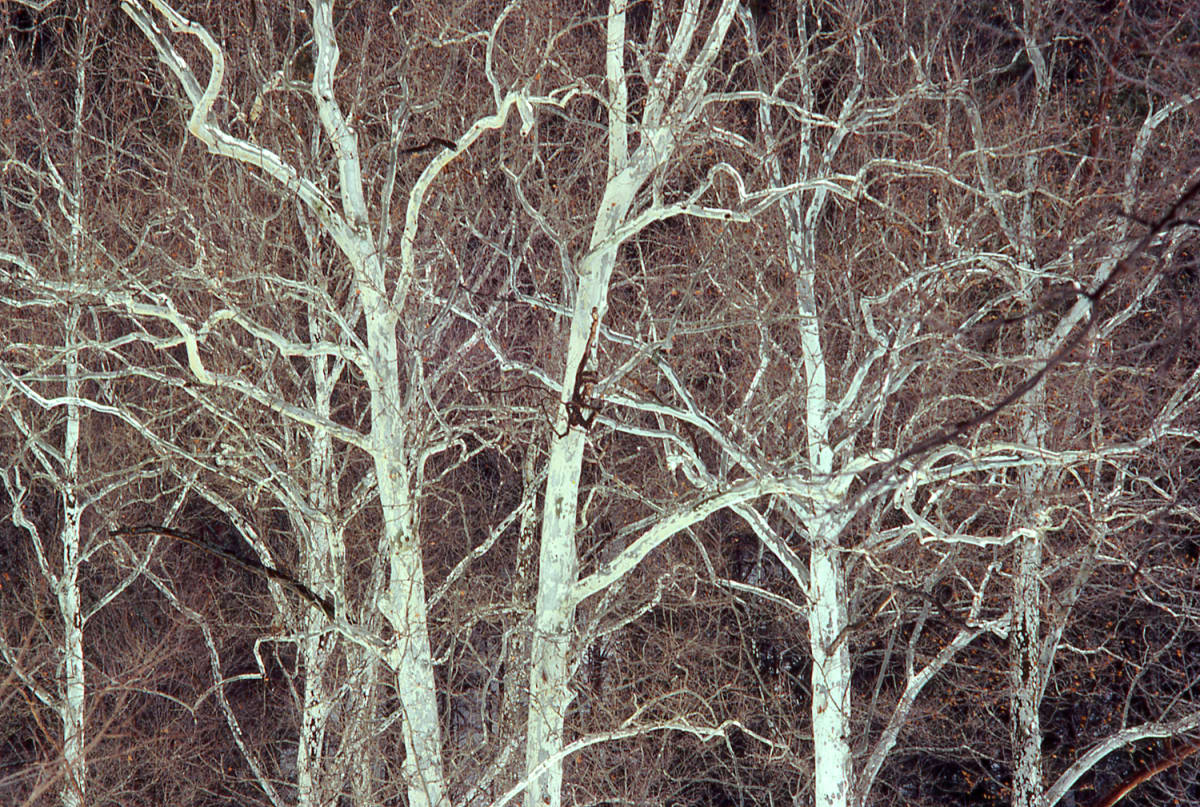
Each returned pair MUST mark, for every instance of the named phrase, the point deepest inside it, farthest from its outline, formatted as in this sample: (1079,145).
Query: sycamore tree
(365,327)
(62,471)
(394,291)
(659,402)
(220,317)
(986,211)
(932,210)
(1067,279)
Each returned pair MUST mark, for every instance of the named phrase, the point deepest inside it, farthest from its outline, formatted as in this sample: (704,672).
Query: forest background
(675,402)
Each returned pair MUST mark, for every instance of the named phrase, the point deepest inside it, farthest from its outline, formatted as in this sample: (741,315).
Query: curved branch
(1130,735)
(253,566)
(1171,760)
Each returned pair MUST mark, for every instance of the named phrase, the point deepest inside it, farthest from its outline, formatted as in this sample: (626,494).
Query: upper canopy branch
(202,123)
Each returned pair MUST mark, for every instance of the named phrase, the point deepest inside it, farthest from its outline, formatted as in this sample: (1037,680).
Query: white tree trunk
(311,775)
(74,680)
(71,708)
(830,676)
(664,116)
(318,781)
(403,603)
(832,762)
(1025,672)
(827,615)
(558,562)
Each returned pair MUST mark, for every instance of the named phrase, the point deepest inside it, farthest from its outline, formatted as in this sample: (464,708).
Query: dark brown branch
(1171,760)
(1168,221)
(436,141)
(253,566)
(582,407)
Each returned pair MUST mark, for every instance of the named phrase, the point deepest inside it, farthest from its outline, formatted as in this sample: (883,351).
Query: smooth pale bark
(74,675)
(1026,673)
(403,602)
(319,778)
(71,708)
(397,461)
(832,767)
(827,607)
(665,116)
(558,562)
(827,615)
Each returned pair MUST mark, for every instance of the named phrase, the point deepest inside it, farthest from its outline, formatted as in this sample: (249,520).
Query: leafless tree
(658,402)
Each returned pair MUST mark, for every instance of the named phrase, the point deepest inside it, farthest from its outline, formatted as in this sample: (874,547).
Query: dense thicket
(634,383)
